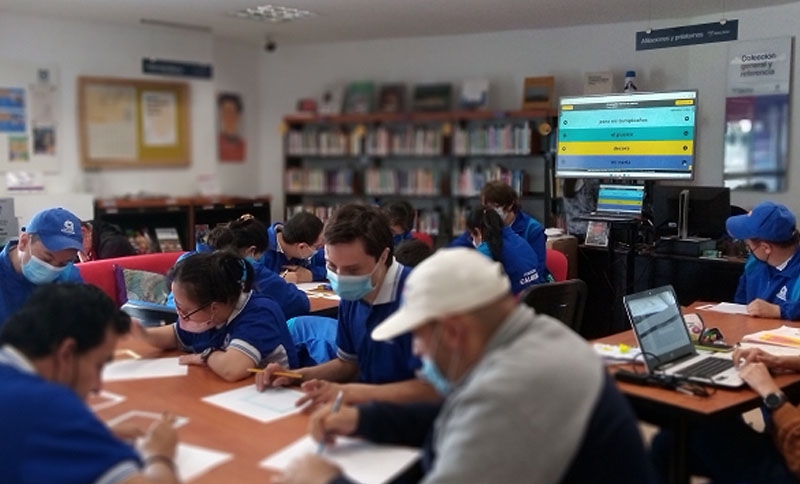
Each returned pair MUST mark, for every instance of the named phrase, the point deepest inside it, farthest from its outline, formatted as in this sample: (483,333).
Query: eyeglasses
(186,316)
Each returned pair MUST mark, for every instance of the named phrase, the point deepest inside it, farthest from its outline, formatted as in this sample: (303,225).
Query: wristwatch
(774,400)
(206,353)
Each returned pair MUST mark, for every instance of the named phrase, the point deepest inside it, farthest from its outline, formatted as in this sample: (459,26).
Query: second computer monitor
(709,208)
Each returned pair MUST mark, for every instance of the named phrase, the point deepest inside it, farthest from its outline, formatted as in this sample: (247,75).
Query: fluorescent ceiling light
(272,13)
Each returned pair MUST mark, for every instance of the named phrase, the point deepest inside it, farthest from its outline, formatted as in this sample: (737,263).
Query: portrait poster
(232,146)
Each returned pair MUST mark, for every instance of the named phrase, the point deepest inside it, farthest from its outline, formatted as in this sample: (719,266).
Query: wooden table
(323,306)
(676,411)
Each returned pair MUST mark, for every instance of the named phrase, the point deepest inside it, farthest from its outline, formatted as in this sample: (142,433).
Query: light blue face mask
(38,271)
(430,373)
(351,288)
(483,248)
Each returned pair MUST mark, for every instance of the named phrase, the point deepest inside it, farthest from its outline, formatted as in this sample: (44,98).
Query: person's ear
(65,354)
(24,240)
(453,332)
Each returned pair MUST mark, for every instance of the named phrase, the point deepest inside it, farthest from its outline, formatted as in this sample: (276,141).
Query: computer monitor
(622,199)
(708,209)
(636,136)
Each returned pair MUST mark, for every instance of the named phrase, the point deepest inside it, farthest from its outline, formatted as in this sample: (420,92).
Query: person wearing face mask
(498,242)
(296,249)
(363,271)
(52,352)
(247,237)
(222,322)
(44,253)
(505,201)
(769,285)
(527,400)
(401,220)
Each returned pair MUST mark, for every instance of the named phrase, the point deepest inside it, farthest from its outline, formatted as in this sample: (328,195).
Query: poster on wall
(159,118)
(111,121)
(757,110)
(12,110)
(231,143)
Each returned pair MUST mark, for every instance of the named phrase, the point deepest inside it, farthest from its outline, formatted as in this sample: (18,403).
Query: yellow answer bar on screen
(566,107)
(684,102)
(627,148)
(616,201)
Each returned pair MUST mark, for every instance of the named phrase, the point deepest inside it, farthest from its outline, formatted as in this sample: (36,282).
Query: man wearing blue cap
(44,253)
(769,285)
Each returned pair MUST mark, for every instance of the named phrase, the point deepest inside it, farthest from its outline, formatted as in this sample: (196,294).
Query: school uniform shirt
(257,328)
(519,261)
(15,288)
(776,285)
(274,258)
(398,238)
(50,435)
(378,361)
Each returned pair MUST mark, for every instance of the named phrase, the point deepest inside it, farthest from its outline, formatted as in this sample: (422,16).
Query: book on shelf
(405,141)
(474,94)
(432,97)
(493,139)
(331,100)
(320,142)
(319,181)
(417,181)
(469,181)
(392,98)
(168,239)
(359,97)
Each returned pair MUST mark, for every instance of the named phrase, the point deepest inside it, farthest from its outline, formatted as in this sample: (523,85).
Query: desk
(676,411)
(209,426)
(323,306)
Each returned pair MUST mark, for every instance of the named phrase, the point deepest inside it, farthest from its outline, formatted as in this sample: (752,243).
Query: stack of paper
(784,336)
(143,368)
(724,307)
(616,353)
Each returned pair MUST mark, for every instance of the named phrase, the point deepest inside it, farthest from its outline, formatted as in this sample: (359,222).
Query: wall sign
(687,35)
(176,68)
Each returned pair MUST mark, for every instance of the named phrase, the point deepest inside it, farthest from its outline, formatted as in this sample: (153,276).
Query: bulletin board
(132,123)
(29,114)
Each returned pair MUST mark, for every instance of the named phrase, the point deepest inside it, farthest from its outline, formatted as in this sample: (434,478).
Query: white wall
(506,58)
(96,49)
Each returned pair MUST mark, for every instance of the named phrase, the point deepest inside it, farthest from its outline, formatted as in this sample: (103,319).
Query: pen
(287,374)
(336,404)
(283,274)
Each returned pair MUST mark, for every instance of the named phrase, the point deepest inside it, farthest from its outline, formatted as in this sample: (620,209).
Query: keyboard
(706,368)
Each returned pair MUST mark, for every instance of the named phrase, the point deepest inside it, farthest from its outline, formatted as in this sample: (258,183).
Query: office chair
(562,300)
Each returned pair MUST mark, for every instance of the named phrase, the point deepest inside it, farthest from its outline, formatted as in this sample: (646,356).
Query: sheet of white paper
(312,290)
(179,421)
(271,404)
(192,461)
(362,461)
(143,368)
(724,307)
(104,399)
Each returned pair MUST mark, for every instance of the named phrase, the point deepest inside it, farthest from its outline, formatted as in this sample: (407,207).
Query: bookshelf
(437,161)
(186,215)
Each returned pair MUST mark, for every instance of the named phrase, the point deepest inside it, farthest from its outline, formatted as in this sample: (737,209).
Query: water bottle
(630,82)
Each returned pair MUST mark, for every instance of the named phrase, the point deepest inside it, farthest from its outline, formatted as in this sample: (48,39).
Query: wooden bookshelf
(182,213)
(438,161)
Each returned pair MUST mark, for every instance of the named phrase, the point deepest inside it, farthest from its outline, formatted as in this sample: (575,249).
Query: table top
(734,327)
(209,426)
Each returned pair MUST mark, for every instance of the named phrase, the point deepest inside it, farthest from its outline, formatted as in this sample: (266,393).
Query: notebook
(665,343)
(623,201)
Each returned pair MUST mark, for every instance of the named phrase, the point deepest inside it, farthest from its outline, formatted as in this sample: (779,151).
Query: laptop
(665,343)
(619,202)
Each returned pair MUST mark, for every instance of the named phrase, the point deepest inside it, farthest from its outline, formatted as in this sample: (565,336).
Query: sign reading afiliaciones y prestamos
(687,35)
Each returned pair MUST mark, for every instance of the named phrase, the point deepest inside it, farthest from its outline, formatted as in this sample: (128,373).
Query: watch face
(774,400)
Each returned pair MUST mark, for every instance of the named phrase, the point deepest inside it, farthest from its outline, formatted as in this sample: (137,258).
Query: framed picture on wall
(537,92)
(231,144)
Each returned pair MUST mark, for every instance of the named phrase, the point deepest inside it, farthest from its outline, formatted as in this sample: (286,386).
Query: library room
(316,242)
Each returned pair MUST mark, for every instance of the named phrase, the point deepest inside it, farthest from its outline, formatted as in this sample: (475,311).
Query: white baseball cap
(451,281)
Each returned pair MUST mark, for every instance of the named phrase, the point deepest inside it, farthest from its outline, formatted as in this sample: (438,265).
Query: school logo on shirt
(69,227)
(782,294)
(529,277)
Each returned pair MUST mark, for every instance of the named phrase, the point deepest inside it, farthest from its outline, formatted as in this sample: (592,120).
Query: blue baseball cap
(767,221)
(57,228)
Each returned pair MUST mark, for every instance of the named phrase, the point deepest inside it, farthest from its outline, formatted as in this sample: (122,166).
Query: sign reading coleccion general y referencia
(688,35)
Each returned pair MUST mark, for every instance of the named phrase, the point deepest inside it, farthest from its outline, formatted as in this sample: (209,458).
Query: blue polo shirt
(15,288)
(274,258)
(378,361)
(257,328)
(50,435)
(398,238)
(776,285)
(519,261)
(530,230)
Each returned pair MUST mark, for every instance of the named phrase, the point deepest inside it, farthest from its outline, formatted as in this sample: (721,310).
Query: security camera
(270,45)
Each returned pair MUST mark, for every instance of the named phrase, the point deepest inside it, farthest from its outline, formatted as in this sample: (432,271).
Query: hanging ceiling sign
(176,68)
(688,35)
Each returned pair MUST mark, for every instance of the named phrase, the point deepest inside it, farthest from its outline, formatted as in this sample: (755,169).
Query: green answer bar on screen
(671,133)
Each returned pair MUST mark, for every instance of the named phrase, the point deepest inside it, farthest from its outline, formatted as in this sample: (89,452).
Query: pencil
(336,404)
(287,374)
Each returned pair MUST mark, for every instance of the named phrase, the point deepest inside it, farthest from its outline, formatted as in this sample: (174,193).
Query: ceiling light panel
(273,13)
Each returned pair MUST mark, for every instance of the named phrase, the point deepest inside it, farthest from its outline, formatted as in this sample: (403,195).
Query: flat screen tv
(637,136)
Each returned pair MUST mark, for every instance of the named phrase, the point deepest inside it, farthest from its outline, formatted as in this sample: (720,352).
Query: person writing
(222,322)
(559,420)
(769,285)
(52,352)
(295,249)
(44,253)
(363,272)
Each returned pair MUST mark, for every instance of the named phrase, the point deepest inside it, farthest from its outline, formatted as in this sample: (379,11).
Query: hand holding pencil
(275,375)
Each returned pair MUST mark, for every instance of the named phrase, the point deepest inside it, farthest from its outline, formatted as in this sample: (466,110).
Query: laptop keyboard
(706,368)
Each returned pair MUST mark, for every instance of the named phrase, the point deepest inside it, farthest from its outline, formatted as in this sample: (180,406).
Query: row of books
(323,212)
(460,220)
(318,180)
(387,181)
(427,221)
(500,139)
(406,140)
(327,142)
(159,239)
(469,181)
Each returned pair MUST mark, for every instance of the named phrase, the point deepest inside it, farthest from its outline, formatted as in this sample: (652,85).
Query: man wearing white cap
(527,400)
(44,253)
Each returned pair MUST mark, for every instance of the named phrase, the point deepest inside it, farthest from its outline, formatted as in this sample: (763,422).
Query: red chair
(556,263)
(423,237)
(101,272)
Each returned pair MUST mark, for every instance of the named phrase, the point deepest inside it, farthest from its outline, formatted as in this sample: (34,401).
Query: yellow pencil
(287,374)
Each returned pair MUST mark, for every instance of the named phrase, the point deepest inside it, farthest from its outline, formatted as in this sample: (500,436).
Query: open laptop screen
(659,326)
(620,199)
